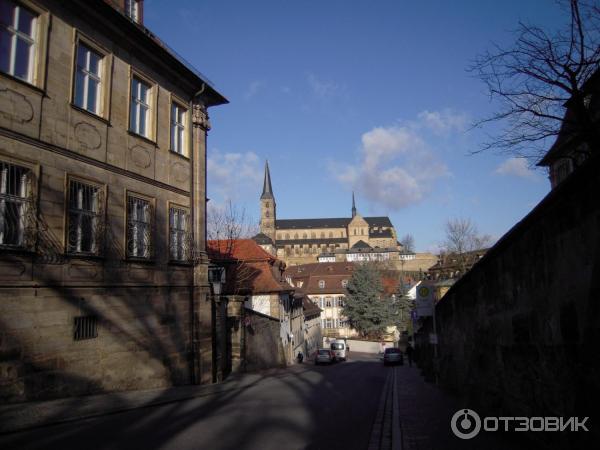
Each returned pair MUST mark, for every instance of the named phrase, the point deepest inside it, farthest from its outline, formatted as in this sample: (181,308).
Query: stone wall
(263,347)
(519,334)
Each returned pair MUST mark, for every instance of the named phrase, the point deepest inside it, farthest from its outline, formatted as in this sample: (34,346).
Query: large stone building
(103,269)
(302,241)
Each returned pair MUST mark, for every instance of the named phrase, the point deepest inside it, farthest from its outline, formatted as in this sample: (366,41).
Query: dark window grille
(85,224)
(179,232)
(16,206)
(85,327)
(139,228)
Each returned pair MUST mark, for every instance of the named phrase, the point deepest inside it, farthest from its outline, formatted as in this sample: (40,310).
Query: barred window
(85,327)
(139,227)
(179,231)
(85,219)
(16,218)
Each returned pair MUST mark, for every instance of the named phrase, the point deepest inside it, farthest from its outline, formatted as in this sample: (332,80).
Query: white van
(340,350)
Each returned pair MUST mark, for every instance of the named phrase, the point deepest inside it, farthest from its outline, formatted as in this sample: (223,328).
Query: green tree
(367,308)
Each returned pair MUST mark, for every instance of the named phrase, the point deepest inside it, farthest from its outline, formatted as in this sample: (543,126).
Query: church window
(267,214)
(304,236)
(267,204)
(322,235)
(355,232)
(295,235)
(287,236)
(330,234)
(313,235)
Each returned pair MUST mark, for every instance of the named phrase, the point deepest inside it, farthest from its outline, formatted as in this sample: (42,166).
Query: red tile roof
(237,249)
(248,268)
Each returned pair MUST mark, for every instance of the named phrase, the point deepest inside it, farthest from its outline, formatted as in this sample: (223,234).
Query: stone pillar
(237,335)
(203,330)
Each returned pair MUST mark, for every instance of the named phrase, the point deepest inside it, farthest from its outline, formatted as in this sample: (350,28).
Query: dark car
(392,355)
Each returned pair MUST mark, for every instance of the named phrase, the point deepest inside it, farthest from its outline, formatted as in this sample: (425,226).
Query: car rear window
(337,346)
(323,352)
(392,350)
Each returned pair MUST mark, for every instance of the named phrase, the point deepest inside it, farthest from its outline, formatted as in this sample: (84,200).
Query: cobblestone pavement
(425,412)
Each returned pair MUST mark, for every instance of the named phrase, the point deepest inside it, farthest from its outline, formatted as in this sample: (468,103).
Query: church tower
(353,205)
(267,207)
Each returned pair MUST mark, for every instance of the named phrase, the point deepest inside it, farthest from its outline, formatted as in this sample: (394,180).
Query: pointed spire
(267,192)
(353,205)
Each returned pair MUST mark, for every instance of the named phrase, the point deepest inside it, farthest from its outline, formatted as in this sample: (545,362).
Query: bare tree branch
(534,78)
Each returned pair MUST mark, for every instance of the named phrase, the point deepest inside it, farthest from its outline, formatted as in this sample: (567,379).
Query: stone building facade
(103,269)
(303,241)
(325,286)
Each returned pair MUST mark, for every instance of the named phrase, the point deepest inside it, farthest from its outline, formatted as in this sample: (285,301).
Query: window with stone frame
(85,218)
(178,140)
(18,35)
(88,79)
(140,107)
(179,234)
(140,218)
(132,10)
(17,216)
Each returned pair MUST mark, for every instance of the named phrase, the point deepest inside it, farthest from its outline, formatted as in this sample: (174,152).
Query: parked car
(392,355)
(339,350)
(324,356)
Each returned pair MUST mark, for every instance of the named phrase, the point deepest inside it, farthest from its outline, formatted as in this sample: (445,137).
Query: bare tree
(408,242)
(463,237)
(229,222)
(534,79)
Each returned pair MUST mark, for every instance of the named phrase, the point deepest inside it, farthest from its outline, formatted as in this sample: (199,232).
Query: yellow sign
(423,291)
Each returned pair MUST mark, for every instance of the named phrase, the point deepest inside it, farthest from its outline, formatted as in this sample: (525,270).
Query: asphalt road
(314,407)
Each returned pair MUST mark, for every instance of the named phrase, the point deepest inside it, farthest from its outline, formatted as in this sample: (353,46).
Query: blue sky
(353,95)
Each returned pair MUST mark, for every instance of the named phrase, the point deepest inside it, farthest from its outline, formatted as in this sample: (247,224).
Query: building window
(304,236)
(341,302)
(87,79)
(344,283)
(16,206)
(17,40)
(84,217)
(132,10)
(322,284)
(328,302)
(139,227)
(179,232)
(139,114)
(178,115)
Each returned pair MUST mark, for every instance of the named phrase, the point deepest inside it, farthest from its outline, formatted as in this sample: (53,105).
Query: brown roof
(237,249)
(331,273)
(248,268)
(310,308)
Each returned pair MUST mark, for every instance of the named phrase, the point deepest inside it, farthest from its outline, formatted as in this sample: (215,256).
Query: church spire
(353,205)
(267,193)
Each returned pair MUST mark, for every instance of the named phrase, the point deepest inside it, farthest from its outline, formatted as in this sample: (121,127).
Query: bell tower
(267,207)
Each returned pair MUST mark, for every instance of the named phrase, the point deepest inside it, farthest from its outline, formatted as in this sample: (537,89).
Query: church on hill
(303,241)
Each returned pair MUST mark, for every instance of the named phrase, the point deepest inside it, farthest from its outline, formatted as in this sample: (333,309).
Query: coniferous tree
(367,308)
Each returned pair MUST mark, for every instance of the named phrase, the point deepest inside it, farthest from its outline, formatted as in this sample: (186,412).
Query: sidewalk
(22,416)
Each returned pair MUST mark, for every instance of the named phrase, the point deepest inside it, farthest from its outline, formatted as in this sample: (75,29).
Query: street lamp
(216,278)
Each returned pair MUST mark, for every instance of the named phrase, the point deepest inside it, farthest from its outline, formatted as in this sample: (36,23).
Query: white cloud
(253,89)
(232,174)
(517,167)
(444,122)
(396,167)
